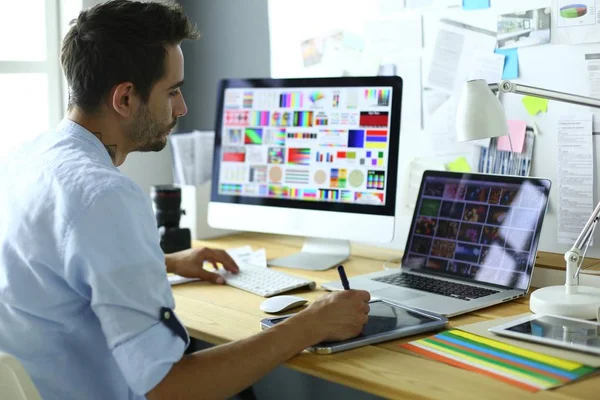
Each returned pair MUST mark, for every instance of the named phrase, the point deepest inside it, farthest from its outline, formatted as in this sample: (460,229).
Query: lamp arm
(510,87)
(574,256)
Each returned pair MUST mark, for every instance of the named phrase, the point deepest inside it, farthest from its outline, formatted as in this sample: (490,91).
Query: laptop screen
(473,227)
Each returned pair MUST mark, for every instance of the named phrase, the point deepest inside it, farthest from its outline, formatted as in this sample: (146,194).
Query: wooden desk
(219,314)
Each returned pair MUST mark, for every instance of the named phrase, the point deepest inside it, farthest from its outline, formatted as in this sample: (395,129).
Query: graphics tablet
(553,330)
(386,321)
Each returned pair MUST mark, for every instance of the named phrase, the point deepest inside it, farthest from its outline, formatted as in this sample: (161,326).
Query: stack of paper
(528,370)
(192,157)
(243,256)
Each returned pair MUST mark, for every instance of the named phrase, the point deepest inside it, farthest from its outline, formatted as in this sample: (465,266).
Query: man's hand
(336,316)
(190,263)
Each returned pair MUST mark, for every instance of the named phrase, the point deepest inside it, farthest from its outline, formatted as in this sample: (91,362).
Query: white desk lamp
(481,115)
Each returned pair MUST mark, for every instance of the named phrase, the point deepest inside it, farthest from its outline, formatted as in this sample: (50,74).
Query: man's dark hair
(120,41)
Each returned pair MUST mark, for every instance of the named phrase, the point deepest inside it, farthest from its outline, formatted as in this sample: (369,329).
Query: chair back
(15,383)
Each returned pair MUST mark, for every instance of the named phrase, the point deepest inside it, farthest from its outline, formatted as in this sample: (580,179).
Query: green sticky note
(459,165)
(534,105)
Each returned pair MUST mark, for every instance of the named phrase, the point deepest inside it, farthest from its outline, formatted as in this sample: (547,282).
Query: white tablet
(387,321)
(553,330)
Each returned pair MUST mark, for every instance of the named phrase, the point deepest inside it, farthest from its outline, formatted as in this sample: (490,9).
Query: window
(31,82)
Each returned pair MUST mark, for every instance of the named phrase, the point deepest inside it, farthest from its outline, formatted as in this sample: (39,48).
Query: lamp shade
(480,114)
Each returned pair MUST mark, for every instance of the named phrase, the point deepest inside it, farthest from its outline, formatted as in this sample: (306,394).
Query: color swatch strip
(519,367)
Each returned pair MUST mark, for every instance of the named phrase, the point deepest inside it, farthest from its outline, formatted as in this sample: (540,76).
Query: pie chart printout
(573,11)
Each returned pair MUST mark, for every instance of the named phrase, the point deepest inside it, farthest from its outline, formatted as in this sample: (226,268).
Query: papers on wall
(386,6)
(409,69)
(332,54)
(575,175)
(441,127)
(416,169)
(432,100)
(459,165)
(575,21)
(394,33)
(476,4)
(524,28)
(535,105)
(511,63)
(419,3)
(452,59)
(433,3)
(488,66)
(192,157)
(593,70)
(516,130)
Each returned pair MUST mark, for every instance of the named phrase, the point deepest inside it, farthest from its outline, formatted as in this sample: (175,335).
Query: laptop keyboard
(437,286)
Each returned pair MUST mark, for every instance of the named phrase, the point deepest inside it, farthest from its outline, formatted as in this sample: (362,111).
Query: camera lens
(167,205)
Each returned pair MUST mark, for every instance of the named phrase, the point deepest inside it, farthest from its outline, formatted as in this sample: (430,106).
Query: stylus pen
(343,277)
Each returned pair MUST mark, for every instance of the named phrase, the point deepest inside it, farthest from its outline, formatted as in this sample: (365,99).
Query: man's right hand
(336,316)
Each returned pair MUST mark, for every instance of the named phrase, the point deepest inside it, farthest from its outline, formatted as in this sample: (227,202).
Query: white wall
(557,67)
(146,169)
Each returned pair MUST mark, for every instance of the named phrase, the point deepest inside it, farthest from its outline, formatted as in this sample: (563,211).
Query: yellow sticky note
(534,105)
(459,165)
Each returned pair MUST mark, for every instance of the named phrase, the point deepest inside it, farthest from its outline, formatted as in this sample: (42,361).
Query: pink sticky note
(517,135)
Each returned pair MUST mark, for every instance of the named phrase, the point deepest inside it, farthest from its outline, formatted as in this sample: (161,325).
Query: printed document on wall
(593,68)
(575,174)
(456,48)
(575,21)
(409,69)
(394,33)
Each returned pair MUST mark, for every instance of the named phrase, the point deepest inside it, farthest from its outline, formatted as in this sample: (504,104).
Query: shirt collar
(74,129)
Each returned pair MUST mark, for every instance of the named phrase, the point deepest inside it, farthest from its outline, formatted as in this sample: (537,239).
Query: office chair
(14,381)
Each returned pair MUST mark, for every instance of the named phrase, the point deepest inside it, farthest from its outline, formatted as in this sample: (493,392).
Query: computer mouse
(281,303)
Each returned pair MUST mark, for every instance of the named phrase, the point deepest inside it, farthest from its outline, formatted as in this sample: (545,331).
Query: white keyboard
(263,281)
(258,280)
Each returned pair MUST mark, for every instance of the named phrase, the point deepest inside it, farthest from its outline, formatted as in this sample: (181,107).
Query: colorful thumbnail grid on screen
(309,144)
(476,230)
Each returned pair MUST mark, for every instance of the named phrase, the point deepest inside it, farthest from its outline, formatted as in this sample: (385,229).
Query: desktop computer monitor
(311,157)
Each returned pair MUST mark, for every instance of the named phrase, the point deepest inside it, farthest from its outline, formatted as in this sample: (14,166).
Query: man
(84,300)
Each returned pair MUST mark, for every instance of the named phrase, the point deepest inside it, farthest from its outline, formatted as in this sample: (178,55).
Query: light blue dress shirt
(82,274)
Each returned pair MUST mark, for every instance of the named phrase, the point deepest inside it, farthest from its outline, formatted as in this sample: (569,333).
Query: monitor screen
(323,144)
(478,227)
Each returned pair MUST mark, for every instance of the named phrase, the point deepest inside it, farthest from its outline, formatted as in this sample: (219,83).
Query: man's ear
(122,98)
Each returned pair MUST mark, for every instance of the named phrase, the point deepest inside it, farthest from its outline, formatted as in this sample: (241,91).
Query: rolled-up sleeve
(113,258)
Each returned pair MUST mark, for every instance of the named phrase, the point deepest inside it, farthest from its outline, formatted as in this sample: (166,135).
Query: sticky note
(534,105)
(459,165)
(511,63)
(475,4)
(517,131)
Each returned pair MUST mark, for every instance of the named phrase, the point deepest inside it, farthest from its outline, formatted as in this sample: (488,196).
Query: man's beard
(147,133)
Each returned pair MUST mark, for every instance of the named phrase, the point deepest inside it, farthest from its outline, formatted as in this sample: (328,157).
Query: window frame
(50,66)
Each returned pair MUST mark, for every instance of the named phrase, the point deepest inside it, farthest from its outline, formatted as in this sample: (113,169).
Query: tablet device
(386,321)
(554,330)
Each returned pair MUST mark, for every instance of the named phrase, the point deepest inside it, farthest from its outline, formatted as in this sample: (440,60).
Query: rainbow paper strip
(309,194)
(303,118)
(253,136)
(519,367)
(259,118)
(329,194)
(299,156)
(229,188)
(278,191)
(291,100)
(379,96)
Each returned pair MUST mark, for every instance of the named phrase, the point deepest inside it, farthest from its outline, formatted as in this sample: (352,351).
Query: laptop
(472,244)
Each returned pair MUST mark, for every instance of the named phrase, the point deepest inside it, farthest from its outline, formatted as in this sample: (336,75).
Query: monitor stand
(316,255)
